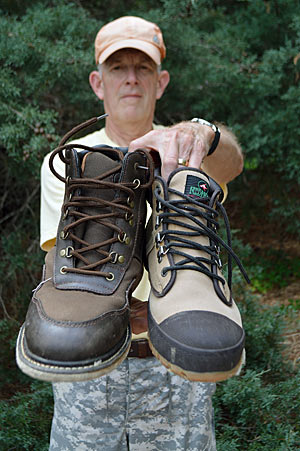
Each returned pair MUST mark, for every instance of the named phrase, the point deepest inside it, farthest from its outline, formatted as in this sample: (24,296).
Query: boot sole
(214,376)
(61,373)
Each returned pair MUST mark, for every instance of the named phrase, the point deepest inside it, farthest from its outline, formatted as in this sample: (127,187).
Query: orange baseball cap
(130,32)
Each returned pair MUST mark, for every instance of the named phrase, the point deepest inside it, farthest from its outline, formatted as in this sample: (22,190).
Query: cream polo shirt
(52,194)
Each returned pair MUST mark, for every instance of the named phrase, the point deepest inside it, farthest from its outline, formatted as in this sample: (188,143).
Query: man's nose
(132,75)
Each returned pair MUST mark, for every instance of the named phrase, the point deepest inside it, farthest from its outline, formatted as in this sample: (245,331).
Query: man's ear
(162,83)
(96,84)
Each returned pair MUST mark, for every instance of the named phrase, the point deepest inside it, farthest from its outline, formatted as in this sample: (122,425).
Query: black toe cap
(199,341)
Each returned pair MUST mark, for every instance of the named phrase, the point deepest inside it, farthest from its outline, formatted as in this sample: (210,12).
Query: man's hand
(191,142)
(185,140)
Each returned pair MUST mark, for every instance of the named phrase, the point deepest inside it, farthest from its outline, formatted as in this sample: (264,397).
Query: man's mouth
(129,96)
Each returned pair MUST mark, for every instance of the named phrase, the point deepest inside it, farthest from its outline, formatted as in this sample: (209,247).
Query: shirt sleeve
(52,194)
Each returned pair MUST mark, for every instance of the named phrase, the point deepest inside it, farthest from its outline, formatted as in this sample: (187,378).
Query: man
(139,405)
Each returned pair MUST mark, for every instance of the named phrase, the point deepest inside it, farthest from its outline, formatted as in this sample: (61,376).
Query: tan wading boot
(195,328)
(77,326)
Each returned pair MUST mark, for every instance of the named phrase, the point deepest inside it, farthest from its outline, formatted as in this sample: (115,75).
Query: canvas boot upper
(194,325)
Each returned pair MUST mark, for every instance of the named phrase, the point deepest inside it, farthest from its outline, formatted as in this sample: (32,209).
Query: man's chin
(133,114)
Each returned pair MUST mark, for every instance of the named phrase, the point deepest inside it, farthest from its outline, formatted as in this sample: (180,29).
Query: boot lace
(202,222)
(75,204)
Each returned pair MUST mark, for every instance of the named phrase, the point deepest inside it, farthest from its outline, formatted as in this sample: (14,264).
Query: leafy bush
(258,410)
(25,419)
(253,415)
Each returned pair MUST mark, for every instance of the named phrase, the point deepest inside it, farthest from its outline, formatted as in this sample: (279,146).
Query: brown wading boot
(77,325)
(195,328)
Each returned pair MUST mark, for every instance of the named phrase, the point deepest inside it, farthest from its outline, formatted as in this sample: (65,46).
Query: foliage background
(234,61)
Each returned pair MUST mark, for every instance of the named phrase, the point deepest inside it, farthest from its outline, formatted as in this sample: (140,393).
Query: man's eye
(145,68)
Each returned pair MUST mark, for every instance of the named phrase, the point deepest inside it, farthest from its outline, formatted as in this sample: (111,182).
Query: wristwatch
(214,128)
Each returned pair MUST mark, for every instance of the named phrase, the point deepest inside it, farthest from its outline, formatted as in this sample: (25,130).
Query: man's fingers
(197,154)
(173,144)
(169,156)
(148,141)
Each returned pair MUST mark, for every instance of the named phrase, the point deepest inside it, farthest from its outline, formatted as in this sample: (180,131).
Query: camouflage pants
(140,406)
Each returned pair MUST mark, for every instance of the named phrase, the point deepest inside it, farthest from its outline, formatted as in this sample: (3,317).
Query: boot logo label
(196,187)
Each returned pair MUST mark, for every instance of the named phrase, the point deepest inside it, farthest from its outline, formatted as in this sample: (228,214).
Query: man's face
(130,86)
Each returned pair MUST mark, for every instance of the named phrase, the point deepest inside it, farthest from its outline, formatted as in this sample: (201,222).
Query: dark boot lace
(120,207)
(202,221)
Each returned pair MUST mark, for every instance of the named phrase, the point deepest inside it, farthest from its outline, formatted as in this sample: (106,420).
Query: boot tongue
(95,165)
(191,183)
(195,185)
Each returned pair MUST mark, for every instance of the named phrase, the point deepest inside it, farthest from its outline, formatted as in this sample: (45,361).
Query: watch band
(214,128)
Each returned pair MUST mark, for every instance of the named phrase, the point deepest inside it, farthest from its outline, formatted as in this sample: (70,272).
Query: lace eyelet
(67,252)
(218,262)
(63,235)
(163,250)
(130,202)
(159,239)
(63,270)
(158,221)
(111,277)
(137,182)
(65,215)
(139,166)
(122,237)
(113,257)
(158,206)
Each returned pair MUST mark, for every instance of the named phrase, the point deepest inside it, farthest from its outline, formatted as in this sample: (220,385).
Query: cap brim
(145,47)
